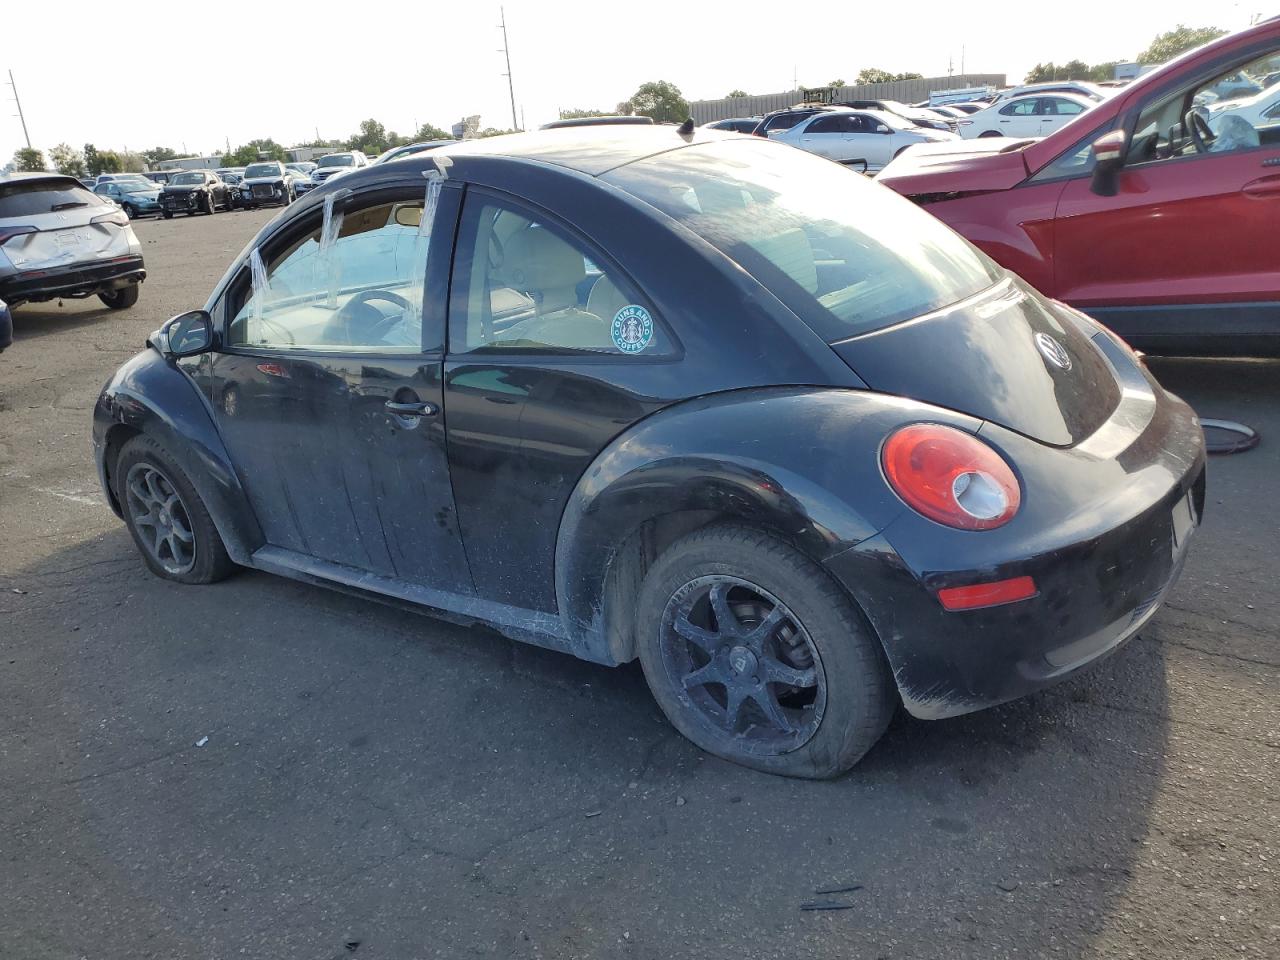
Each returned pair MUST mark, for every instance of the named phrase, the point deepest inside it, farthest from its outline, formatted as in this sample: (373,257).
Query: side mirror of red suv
(1108,157)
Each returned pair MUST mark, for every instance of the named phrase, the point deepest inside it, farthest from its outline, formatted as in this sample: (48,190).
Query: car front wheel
(130,211)
(756,655)
(166,518)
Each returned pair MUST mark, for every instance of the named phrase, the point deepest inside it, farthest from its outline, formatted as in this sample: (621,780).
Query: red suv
(1157,211)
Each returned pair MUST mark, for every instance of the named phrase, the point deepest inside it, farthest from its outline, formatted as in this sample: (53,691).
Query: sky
(116,75)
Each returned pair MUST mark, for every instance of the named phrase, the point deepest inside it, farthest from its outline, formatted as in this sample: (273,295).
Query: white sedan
(1261,109)
(1031,116)
(852,136)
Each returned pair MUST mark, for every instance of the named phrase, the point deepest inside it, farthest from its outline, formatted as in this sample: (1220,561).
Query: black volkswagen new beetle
(695,398)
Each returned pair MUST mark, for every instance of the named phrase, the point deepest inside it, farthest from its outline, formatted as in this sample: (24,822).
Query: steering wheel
(1200,131)
(345,327)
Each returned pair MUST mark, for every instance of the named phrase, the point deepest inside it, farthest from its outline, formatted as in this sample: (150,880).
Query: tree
(494,132)
(157,154)
(28,160)
(1181,38)
(736,93)
(429,131)
(577,114)
(874,75)
(836,83)
(371,138)
(661,100)
(108,161)
(909,76)
(251,151)
(67,159)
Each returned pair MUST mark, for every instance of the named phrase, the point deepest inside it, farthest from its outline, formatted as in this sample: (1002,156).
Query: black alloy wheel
(130,211)
(159,515)
(758,656)
(745,663)
(168,521)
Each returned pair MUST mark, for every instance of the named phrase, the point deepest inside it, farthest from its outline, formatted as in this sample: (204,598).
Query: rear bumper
(75,281)
(1101,572)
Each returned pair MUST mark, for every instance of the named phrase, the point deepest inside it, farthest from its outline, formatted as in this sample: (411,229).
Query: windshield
(185,178)
(43,196)
(336,160)
(262,170)
(845,254)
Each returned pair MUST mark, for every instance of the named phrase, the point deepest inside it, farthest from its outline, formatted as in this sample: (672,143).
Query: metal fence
(907,91)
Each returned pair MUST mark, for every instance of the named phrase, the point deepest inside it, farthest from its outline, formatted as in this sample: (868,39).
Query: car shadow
(33,321)
(262,758)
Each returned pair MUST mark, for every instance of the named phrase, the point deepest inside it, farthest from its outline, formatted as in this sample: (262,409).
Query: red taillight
(8,233)
(987,594)
(950,477)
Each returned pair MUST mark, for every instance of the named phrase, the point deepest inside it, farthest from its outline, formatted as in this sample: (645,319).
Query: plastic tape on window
(422,242)
(258,294)
(328,266)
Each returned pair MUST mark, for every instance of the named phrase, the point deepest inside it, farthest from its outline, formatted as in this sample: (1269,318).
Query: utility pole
(506,51)
(20,116)
(962,59)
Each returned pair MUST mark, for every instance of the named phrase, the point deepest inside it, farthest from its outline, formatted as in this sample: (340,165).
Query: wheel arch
(151,396)
(730,458)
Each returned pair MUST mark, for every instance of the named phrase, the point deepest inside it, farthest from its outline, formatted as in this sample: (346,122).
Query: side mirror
(881,128)
(187,334)
(1108,157)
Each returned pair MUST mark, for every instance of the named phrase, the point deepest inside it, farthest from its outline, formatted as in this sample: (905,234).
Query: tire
(130,211)
(149,483)
(208,205)
(990,133)
(121,299)
(829,724)
(168,214)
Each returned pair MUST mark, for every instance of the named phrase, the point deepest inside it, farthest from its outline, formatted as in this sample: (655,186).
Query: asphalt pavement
(266,769)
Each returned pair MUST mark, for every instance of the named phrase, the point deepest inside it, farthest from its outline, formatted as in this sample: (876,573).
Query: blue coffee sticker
(632,328)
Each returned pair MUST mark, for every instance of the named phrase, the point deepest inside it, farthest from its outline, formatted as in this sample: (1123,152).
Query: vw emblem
(1053,351)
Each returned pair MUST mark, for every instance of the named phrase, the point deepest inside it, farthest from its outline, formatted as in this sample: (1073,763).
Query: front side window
(846,255)
(361,288)
(1019,108)
(524,284)
(1217,114)
(834,123)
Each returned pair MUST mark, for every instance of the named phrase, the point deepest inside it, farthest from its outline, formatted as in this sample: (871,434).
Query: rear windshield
(30,199)
(845,254)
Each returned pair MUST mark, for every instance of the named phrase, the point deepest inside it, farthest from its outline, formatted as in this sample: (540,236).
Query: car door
(552,353)
(328,388)
(825,134)
(1189,230)
(1019,118)
(877,141)
(1056,111)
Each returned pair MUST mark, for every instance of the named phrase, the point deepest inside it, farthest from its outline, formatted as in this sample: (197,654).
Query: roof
(41,175)
(589,150)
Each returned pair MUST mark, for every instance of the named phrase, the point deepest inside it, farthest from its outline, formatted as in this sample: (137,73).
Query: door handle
(1262,187)
(420,409)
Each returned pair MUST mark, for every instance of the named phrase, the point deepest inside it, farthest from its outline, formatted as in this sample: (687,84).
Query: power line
(506,51)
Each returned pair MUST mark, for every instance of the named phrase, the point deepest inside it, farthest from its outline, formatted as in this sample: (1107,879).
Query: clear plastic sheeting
(328,266)
(259,290)
(422,243)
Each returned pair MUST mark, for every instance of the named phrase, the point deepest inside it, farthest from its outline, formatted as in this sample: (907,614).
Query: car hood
(143,195)
(250,181)
(958,166)
(322,172)
(1007,355)
(184,188)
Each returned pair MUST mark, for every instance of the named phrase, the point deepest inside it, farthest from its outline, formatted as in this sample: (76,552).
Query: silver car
(59,240)
(858,137)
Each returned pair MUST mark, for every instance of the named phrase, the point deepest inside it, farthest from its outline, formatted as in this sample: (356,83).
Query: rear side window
(846,255)
(31,199)
(525,284)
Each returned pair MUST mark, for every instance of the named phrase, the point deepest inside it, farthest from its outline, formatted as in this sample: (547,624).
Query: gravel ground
(383,785)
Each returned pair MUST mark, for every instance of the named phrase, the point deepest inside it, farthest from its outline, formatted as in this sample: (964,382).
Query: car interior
(1182,124)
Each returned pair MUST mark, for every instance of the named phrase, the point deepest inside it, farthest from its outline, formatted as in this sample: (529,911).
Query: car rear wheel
(122,298)
(757,656)
(990,133)
(166,518)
